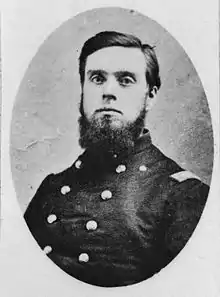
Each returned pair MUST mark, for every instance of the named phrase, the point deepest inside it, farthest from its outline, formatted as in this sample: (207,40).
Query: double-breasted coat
(115,220)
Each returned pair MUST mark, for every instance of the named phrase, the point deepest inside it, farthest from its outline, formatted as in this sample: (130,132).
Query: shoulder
(53,180)
(177,175)
(182,185)
(188,182)
(187,197)
(184,175)
(52,183)
(51,189)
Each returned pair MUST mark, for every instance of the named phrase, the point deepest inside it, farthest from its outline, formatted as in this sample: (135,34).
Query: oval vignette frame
(52,83)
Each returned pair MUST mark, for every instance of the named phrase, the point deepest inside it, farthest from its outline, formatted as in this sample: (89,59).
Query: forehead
(117,58)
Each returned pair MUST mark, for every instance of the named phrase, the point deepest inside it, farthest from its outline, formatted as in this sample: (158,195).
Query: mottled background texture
(44,128)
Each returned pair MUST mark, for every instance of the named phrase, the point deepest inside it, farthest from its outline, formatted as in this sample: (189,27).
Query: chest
(119,192)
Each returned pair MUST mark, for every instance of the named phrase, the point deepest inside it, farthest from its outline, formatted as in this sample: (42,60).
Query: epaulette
(184,175)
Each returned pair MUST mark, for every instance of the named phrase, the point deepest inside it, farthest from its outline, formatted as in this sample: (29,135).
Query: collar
(143,142)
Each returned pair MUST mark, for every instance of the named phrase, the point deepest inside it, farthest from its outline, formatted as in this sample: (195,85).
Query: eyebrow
(125,73)
(96,71)
(116,73)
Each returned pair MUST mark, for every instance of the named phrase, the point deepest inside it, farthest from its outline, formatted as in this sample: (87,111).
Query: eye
(98,79)
(126,81)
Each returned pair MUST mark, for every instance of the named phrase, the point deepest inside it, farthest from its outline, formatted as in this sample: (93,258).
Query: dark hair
(112,38)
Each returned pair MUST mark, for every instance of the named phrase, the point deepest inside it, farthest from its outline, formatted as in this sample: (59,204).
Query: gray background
(44,129)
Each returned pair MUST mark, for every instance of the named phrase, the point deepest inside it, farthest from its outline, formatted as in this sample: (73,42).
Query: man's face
(115,85)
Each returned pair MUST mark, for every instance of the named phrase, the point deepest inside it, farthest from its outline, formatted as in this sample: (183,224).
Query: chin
(114,121)
(116,124)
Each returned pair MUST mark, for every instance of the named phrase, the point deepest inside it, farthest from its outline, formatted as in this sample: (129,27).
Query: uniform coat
(114,220)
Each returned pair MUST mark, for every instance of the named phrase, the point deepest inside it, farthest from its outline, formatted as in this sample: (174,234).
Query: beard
(101,134)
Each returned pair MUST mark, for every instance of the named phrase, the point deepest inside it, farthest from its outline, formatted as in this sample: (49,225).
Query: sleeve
(183,211)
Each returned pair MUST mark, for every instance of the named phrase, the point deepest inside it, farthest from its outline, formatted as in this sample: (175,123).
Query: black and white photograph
(111,148)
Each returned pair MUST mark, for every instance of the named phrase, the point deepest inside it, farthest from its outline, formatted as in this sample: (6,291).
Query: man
(123,210)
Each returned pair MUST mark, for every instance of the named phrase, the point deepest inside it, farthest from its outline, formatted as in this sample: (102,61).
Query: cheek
(132,102)
(91,99)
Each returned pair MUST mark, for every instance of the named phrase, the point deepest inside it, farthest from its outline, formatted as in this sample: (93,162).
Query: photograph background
(44,129)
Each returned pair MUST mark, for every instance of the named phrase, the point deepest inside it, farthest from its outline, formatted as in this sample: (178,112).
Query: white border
(26,24)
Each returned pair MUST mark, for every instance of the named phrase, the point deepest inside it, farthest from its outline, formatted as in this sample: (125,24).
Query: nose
(108,97)
(109,90)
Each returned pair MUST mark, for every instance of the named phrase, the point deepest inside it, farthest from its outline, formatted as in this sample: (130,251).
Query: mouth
(108,110)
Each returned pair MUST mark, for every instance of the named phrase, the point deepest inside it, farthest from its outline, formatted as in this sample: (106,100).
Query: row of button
(105,194)
(90,225)
(83,257)
(119,169)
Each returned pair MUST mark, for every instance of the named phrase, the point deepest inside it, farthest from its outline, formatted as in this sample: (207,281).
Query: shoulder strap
(184,175)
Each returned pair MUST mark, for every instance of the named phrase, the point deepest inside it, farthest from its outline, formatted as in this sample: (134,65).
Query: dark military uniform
(114,220)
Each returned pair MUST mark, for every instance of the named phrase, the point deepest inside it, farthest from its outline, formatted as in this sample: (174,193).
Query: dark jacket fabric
(115,220)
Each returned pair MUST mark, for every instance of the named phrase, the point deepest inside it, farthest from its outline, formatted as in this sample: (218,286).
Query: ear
(151,98)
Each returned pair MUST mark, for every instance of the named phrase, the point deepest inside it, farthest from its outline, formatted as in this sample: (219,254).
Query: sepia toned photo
(111,147)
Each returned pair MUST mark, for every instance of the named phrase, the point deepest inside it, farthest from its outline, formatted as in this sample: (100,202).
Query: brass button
(120,168)
(91,225)
(142,168)
(51,218)
(47,249)
(83,257)
(65,190)
(106,195)
(78,164)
